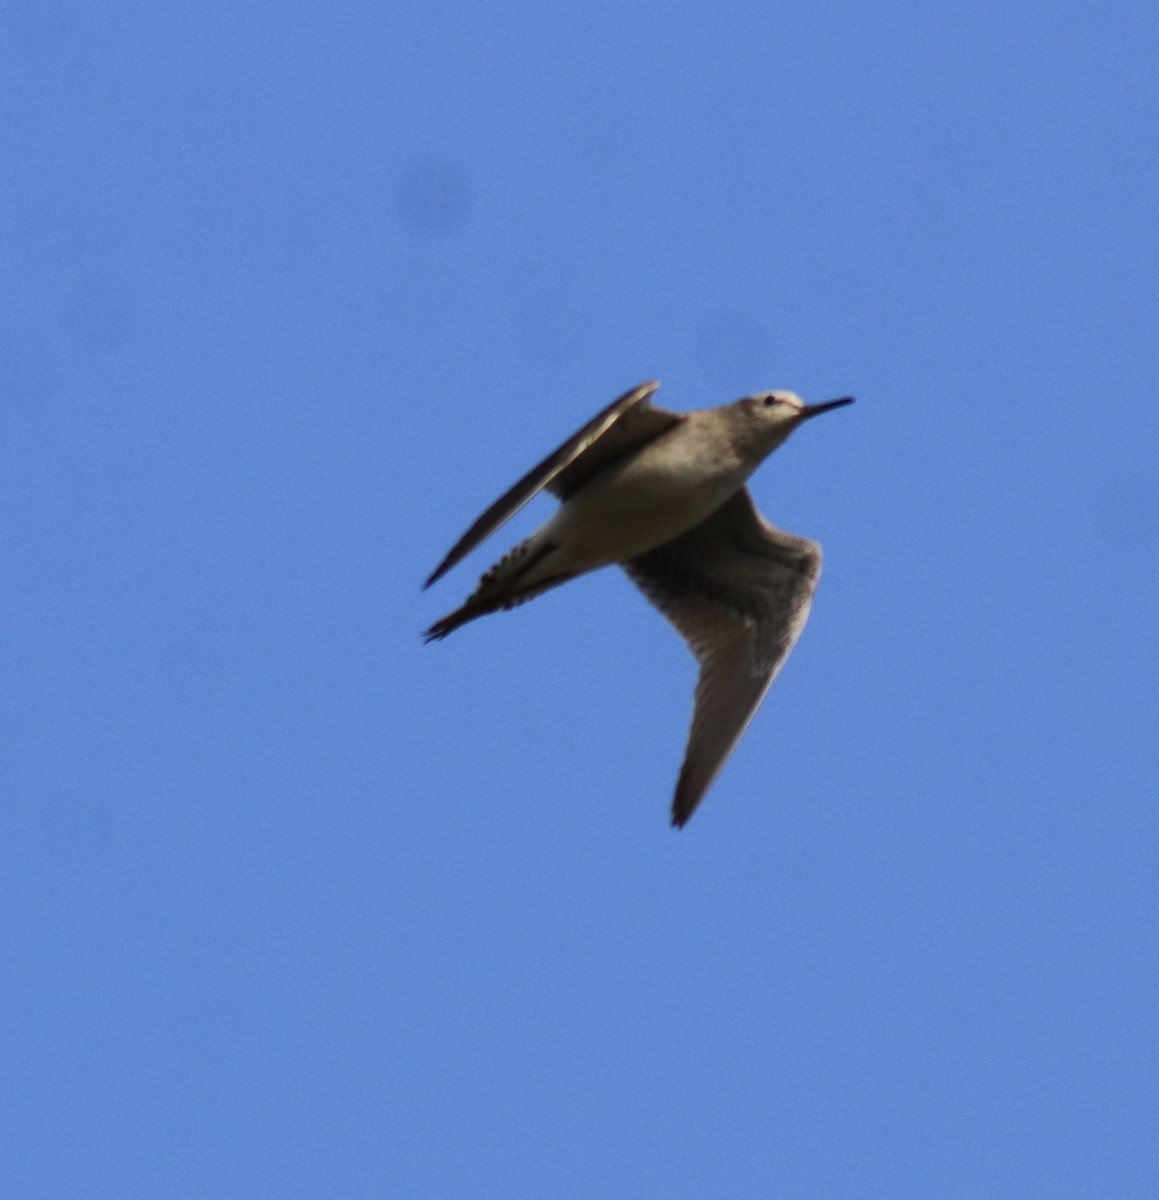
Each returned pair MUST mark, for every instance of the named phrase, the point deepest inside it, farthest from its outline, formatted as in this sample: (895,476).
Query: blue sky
(294,905)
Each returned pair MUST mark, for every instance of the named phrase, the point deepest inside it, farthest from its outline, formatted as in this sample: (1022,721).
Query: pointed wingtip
(685,802)
(438,572)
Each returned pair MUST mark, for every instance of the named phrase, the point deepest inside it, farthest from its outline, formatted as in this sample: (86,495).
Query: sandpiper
(663,495)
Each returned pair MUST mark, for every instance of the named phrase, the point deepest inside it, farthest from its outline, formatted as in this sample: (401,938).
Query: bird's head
(772,416)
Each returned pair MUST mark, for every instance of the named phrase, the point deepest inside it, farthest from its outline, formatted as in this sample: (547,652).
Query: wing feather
(738,591)
(625,425)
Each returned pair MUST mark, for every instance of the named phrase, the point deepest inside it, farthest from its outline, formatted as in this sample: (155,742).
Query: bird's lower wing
(728,694)
(739,592)
(624,426)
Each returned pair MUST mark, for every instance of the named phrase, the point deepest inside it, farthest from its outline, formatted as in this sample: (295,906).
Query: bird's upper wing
(625,425)
(739,592)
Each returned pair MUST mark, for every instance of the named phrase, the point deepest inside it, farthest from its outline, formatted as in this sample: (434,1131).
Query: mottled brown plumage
(663,494)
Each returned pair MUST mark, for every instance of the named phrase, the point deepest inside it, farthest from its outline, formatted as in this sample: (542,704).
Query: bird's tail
(501,587)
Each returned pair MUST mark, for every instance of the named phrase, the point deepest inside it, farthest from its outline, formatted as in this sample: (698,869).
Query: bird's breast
(634,507)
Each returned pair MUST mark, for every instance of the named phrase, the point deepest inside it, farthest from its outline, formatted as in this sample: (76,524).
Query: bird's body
(663,495)
(643,500)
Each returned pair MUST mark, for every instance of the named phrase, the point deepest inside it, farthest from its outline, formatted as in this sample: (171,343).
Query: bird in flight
(663,495)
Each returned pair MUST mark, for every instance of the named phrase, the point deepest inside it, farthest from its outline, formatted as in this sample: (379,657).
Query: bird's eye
(770,401)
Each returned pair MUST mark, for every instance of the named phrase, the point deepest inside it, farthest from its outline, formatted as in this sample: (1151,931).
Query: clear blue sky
(295,906)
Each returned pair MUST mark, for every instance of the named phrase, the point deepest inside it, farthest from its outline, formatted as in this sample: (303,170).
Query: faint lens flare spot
(434,198)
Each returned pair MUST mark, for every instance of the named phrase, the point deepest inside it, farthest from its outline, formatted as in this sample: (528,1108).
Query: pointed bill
(815,410)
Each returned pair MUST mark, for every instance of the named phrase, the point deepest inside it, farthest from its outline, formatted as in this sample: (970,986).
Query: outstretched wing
(738,591)
(625,425)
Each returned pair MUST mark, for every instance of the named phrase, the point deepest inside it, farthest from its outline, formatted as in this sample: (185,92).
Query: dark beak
(813,410)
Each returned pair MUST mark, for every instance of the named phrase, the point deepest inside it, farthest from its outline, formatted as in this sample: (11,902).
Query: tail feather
(448,624)
(480,606)
(499,588)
